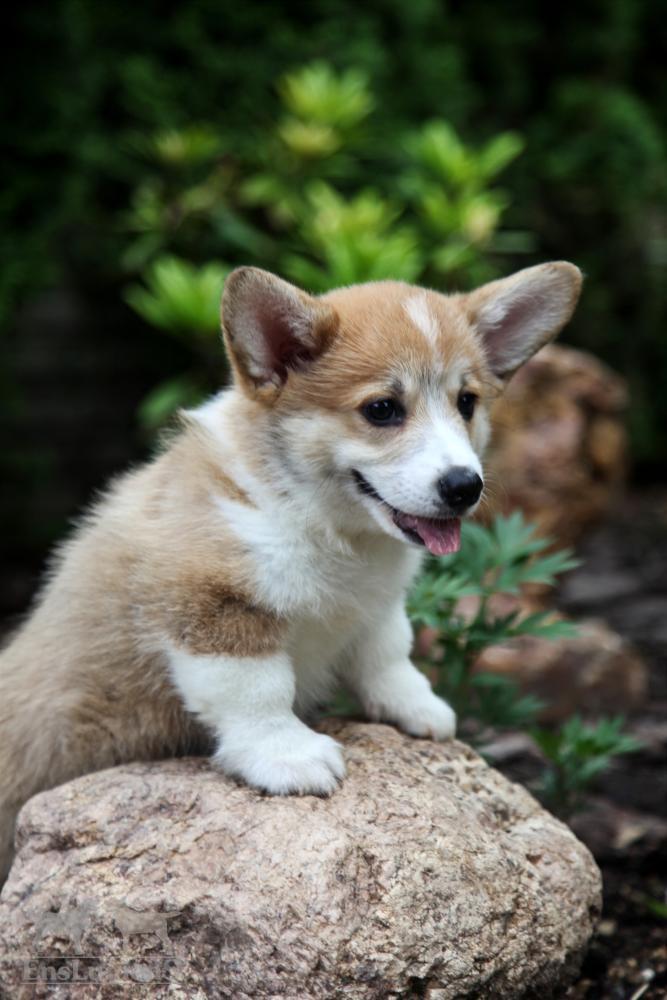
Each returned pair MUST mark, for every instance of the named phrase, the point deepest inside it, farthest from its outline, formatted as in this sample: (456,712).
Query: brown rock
(595,672)
(560,446)
(426,874)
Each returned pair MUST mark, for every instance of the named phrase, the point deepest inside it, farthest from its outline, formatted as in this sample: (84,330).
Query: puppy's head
(377,395)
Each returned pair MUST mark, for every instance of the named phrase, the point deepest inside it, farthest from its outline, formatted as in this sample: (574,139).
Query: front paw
(427,716)
(403,695)
(284,759)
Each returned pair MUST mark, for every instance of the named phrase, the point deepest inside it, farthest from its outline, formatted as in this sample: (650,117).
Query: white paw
(403,695)
(284,759)
(427,716)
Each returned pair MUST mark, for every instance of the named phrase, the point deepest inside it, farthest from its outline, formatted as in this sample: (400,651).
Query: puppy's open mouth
(441,536)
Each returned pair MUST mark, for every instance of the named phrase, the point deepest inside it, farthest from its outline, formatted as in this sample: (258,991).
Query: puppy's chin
(382,521)
(439,536)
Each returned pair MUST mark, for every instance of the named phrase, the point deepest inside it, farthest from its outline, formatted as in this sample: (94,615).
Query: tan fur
(209,618)
(368,355)
(84,683)
(321,320)
(372,346)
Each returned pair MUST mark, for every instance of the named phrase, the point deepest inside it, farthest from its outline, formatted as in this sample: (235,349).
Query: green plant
(348,241)
(184,301)
(587,92)
(313,139)
(493,560)
(449,186)
(500,560)
(299,203)
(181,203)
(577,753)
(180,298)
(656,906)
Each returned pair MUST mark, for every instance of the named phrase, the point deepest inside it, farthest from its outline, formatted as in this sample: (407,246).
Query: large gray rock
(426,874)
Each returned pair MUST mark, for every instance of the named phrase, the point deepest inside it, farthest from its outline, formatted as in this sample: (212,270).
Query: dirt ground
(623,580)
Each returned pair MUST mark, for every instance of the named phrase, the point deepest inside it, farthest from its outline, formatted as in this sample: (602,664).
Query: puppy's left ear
(272,328)
(516,316)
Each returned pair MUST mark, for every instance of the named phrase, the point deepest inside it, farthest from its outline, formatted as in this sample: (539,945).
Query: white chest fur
(330,588)
(303,570)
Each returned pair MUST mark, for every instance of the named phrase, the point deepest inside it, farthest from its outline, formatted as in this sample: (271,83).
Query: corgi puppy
(215,597)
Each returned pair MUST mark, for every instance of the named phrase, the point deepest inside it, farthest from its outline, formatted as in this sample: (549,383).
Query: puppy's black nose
(460,488)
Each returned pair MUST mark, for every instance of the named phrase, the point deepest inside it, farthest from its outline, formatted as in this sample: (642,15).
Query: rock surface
(427,875)
(559,448)
(595,671)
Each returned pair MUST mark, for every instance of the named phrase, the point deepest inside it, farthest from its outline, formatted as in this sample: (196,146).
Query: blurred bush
(298,202)
(160,132)
(183,300)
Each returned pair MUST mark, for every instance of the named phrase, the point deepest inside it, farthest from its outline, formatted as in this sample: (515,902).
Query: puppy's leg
(379,671)
(248,702)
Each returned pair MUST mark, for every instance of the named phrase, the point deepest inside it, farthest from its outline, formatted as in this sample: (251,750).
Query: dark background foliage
(583,84)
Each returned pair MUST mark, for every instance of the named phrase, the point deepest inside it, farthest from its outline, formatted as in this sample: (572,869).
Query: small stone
(606,928)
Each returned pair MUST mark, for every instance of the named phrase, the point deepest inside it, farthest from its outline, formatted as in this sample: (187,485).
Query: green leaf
(578,753)
(499,153)
(180,297)
(311,140)
(192,145)
(317,94)
(656,907)
(351,241)
(542,624)
(438,147)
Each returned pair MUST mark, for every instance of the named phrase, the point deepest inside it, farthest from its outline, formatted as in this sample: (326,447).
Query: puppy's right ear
(272,328)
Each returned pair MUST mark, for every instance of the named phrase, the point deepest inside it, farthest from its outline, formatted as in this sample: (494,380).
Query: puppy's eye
(384,412)
(466,404)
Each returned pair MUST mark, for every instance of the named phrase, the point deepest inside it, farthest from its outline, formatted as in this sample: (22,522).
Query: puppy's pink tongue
(441,537)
